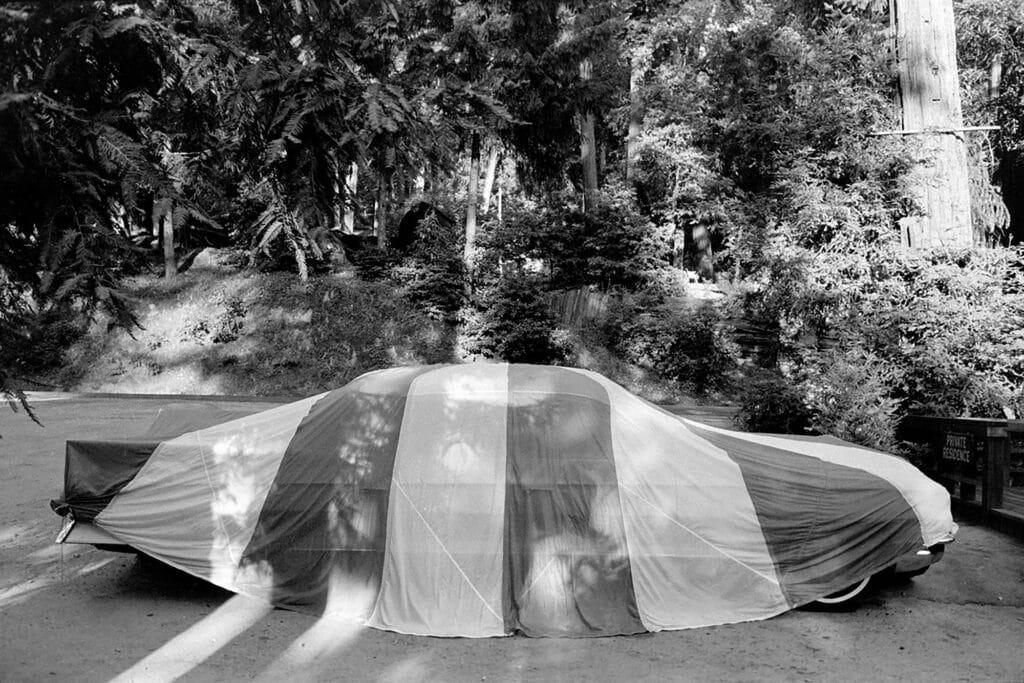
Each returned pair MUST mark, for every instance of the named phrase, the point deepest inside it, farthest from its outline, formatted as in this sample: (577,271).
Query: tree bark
(995,76)
(471,194)
(167,237)
(703,251)
(380,212)
(351,190)
(492,169)
(588,148)
(930,97)
(636,120)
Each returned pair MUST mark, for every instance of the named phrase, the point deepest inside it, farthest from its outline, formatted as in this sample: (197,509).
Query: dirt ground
(77,613)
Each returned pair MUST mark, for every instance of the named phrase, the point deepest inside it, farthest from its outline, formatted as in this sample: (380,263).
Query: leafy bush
(687,345)
(433,274)
(611,246)
(374,264)
(697,351)
(514,322)
(772,403)
(848,395)
(877,331)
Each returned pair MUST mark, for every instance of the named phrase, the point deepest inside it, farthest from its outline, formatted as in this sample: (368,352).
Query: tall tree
(931,111)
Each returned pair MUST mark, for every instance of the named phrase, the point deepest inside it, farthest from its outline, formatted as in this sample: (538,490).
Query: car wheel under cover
(845,594)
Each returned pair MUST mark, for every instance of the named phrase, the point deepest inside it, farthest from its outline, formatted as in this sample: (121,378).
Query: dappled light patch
(311,654)
(180,655)
(23,589)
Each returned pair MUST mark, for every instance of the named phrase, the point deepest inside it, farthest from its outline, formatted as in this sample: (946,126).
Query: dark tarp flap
(823,522)
(327,510)
(95,471)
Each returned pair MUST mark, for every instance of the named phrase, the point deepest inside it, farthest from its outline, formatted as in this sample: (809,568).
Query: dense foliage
(733,144)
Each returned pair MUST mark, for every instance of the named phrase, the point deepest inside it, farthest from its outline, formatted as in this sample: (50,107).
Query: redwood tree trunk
(588,147)
(930,98)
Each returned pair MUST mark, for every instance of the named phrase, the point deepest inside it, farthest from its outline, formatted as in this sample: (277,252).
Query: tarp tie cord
(632,492)
(398,485)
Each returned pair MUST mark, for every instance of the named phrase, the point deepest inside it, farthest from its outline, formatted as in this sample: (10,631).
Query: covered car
(489,499)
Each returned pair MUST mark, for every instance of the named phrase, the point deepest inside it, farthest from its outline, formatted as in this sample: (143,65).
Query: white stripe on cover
(195,503)
(445,551)
(697,553)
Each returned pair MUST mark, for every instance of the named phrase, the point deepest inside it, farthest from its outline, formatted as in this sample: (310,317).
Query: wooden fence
(979,461)
(573,306)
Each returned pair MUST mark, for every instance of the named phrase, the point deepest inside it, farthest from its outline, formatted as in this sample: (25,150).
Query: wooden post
(930,99)
(996,447)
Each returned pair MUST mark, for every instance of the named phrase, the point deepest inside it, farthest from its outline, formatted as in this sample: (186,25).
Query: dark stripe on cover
(826,525)
(96,471)
(567,567)
(325,517)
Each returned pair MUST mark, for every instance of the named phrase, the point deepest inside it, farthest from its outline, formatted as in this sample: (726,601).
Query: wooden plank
(934,131)
(1013,499)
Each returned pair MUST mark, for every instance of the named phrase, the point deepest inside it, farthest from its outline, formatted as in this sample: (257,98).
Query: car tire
(844,595)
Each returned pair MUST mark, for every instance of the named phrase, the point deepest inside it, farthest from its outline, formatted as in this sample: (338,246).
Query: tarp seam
(696,535)
(398,485)
(537,578)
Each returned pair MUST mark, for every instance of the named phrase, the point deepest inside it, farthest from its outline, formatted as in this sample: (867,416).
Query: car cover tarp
(489,499)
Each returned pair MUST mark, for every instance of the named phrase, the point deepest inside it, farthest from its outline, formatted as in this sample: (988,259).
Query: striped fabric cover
(488,499)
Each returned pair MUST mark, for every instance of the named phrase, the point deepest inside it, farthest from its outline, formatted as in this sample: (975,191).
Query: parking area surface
(78,613)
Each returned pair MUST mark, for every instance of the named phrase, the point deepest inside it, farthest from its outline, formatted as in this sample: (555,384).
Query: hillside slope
(218,330)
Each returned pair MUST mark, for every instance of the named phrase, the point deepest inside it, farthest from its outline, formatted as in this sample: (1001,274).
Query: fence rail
(979,461)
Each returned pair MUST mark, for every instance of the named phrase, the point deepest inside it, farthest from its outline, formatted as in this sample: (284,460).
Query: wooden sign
(958,447)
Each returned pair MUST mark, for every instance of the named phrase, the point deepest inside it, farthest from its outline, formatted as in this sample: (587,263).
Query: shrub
(686,345)
(848,395)
(433,274)
(772,403)
(514,322)
(612,246)
(698,351)
(374,264)
(900,332)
